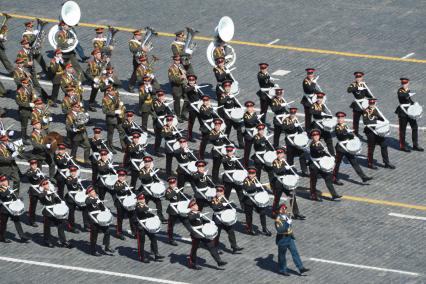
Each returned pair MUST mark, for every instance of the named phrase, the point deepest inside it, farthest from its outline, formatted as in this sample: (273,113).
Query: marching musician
(317,151)
(405,100)
(160,110)
(280,169)
(285,240)
(205,117)
(178,48)
(229,102)
(41,151)
(251,120)
(142,212)
(8,195)
(318,111)
(135,150)
(121,190)
(261,145)
(146,100)
(114,110)
(222,74)
(56,67)
(370,117)
(41,114)
(136,48)
(169,133)
(145,69)
(291,126)
(196,219)
(279,107)
(73,185)
(70,98)
(100,41)
(129,124)
(25,97)
(220,203)
(147,176)
(344,134)
(93,203)
(265,84)
(34,176)
(61,161)
(20,72)
(250,188)
(104,166)
(183,156)
(65,39)
(3,38)
(177,78)
(174,195)
(360,91)
(192,95)
(8,166)
(230,164)
(310,88)
(201,180)
(218,140)
(50,198)
(77,134)
(95,70)
(109,77)
(30,35)
(97,142)
(72,78)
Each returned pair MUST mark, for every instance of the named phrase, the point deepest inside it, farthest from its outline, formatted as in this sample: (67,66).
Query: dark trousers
(93,93)
(110,134)
(403,121)
(355,123)
(101,190)
(296,152)
(182,178)
(177,92)
(279,189)
(169,162)
(352,160)
(248,210)
(328,139)
(373,140)
(134,178)
(145,116)
(141,235)
(217,161)
(247,149)
(201,202)
(121,214)
(55,92)
(94,231)
(49,161)
(264,104)
(132,80)
(203,146)
(71,216)
(237,126)
(48,222)
(171,224)
(195,244)
(277,133)
(3,225)
(5,61)
(314,172)
(39,58)
(158,138)
(32,208)
(231,235)
(308,118)
(158,205)
(259,167)
(24,117)
(191,120)
(228,188)
(80,141)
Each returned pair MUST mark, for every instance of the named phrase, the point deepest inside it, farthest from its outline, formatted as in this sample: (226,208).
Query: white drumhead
(182,207)
(326,163)
(270,156)
(235,88)
(239,175)
(104,217)
(364,103)
(80,197)
(192,167)
(176,145)
(143,139)
(17,206)
(290,180)
(329,123)
(60,209)
(110,180)
(354,145)
(262,197)
(382,128)
(209,229)
(153,224)
(210,192)
(158,188)
(129,201)
(415,110)
(301,139)
(228,216)
(237,113)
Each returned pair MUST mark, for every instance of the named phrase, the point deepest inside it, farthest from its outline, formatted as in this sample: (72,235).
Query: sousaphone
(70,15)
(224,32)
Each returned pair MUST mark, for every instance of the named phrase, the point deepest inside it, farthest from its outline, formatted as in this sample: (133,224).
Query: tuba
(38,42)
(70,15)
(81,119)
(190,45)
(224,32)
(110,37)
(147,40)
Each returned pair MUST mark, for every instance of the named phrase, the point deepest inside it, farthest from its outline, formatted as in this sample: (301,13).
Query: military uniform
(160,111)
(30,35)
(175,73)
(192,95)
(94,72)
(73,184)
(265,84)
(222,74)
(261,145)
(41,153)
(103,168)
(121,191)
(251,120)
(69,100)
(205,118)
(145,69)
(318,112)
(291,127)
(310,88)
(201,180)
(8,166)
(230,164)
(34,176)
(135,47)
(111,104)
(69,79)
(135,151)
(183,157)
(3,56)
(25,98)
(178,48)
(229,103)
(404,98)
(218,140)
(77,134)
(42,115)
(169,136)
(279,107)
(61,162)
(57,68)
(146,101)
(62,43)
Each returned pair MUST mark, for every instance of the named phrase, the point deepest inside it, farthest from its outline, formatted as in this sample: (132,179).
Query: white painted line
(274,41)
(408,55)
(408,216)
(281,72)
(89,270)
(365,267)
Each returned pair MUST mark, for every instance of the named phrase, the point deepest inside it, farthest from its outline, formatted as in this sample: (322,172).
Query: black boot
(158,258)
(418,148)
(236,249)
(389,166)
(366,178)
(266,232)
(338,182)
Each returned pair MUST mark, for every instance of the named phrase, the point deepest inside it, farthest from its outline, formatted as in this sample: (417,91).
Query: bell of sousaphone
(70,13)
(225,29)
(53,138)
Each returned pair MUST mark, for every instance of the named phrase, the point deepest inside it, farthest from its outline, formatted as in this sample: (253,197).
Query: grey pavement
(347,231)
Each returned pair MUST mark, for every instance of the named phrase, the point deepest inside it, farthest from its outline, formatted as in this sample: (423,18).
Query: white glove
(50,119)
(70,41)
(2,132)
(121,103)
(48,146)
(289,221)
(411,94)
(284,104)
(32,105)
(361,88)
(74,129)
(117,111)
(296,124)
(15,154)
(227,71)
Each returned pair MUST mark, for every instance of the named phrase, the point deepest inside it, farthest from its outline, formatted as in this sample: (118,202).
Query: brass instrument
(46,117)
(110,37)
(147,40)
(70,15)
(38,42)
(122,108)
(4,25)
(189,46)
(81,119)
(53,138)
(224,32)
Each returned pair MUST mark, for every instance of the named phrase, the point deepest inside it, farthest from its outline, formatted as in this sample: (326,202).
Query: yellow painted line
(249,43)
(380,202)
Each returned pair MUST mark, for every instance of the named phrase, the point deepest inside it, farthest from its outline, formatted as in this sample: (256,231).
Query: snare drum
(207,192)
(104,218)
(129,202)
(269,157)
(289,181)
(326,163)
(16,208)
(152,224)
(228,217)
(157,189)
(415,111)
(182,208)
(382,128)
(353,146)
(235,88)
(80,198)
(209,230)
(176,145)
(143,139)
(239,176)
(192,167)
(110,180)
(301,140)
(261,199)
(60,210)
(237,114)
(329,124)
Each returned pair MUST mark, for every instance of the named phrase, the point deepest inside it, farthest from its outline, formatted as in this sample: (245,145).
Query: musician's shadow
(129,252)
(182,259)
(268,263)
(303,192)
